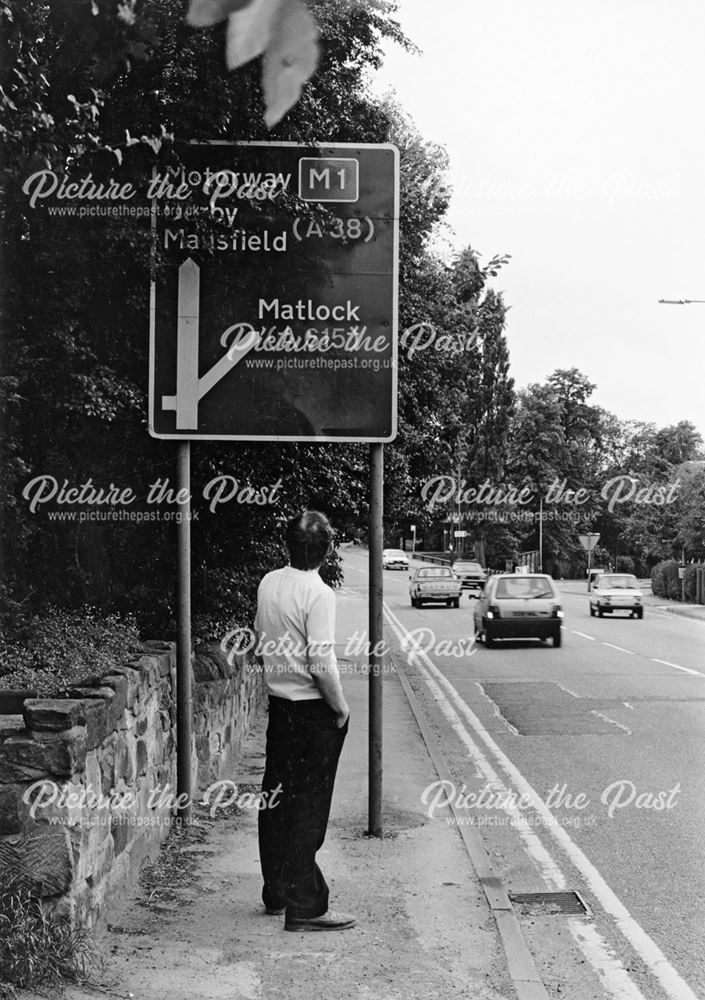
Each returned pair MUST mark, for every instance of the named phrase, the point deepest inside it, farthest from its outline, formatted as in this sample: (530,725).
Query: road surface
(605,740)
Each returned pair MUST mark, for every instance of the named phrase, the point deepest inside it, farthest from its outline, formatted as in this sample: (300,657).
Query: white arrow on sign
(190,389)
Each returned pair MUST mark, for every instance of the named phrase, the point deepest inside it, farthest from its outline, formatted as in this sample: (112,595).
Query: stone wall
(88,781)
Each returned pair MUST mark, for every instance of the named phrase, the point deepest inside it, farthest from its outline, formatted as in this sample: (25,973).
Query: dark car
(471,575)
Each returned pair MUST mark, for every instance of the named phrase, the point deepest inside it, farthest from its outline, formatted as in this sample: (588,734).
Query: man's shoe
(275,911)
(328,921)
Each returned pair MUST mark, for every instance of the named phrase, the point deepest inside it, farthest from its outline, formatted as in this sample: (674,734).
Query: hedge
(665,581)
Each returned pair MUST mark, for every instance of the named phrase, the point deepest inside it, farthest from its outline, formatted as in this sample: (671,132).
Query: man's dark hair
(309,539)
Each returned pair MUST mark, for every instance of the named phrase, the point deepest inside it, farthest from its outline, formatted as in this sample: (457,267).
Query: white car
(519,606)
(616,592)
(394,559)
(435,585)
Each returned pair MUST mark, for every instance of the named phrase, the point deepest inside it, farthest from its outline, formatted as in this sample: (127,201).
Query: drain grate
(550,902)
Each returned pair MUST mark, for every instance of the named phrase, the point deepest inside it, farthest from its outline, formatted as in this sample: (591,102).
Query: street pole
(540,534)
(458,542)
(183,641)
(376,630)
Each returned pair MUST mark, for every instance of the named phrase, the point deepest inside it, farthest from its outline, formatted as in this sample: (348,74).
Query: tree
(84,89)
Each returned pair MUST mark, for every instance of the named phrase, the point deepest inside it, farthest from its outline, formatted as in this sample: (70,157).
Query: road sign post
(589,542)
(184,704)
(276,320)
(376,631)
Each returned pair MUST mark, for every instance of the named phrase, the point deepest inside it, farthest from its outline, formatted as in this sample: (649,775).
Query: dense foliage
(62,648)
(91,83)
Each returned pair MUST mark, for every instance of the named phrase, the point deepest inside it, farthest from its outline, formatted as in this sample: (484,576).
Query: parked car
(394,559)
(616,592)
(435,584)
(519,606)
(472,575)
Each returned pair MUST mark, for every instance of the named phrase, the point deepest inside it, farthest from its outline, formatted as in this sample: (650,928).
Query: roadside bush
(560,569)
(36,949)
(665,581)
(54,651)
(689,584)
(658,583)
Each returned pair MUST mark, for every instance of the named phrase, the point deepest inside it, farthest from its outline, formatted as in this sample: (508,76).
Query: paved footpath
(424,927)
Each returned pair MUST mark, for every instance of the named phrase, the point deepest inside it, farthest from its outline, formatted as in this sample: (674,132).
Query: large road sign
(276,315)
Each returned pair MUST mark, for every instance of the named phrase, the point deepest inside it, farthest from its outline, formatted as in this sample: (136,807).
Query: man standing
(308,722)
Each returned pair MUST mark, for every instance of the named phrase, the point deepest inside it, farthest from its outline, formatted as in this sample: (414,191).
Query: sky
(576,135)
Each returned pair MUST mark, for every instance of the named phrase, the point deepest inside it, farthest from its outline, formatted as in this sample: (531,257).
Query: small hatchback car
(519,606)
(616,592)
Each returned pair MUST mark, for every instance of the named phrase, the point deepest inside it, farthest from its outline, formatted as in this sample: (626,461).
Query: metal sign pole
(376,624)
(183,642)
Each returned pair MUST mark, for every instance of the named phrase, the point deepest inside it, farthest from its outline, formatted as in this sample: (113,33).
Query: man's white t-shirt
(295,626)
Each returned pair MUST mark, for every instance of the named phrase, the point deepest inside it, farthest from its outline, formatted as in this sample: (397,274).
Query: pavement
(198,931)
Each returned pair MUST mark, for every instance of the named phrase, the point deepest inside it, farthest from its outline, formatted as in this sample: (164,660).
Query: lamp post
(458,543)
(681,302)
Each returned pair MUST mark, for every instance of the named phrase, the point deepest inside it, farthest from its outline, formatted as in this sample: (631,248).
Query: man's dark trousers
(303,747)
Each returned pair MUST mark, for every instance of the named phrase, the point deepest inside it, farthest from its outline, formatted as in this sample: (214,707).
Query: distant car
(394,559)
(519,606)
(472,575)
(435,585)
(616,592)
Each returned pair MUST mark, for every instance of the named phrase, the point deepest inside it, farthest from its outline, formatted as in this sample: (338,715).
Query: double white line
(612,973)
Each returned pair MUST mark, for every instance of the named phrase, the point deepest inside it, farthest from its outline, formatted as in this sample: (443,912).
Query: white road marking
(496,712)
(673,984)
(568,691)
(666,663)
(535,849)
(606,718)
(686,670)
(612,973)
